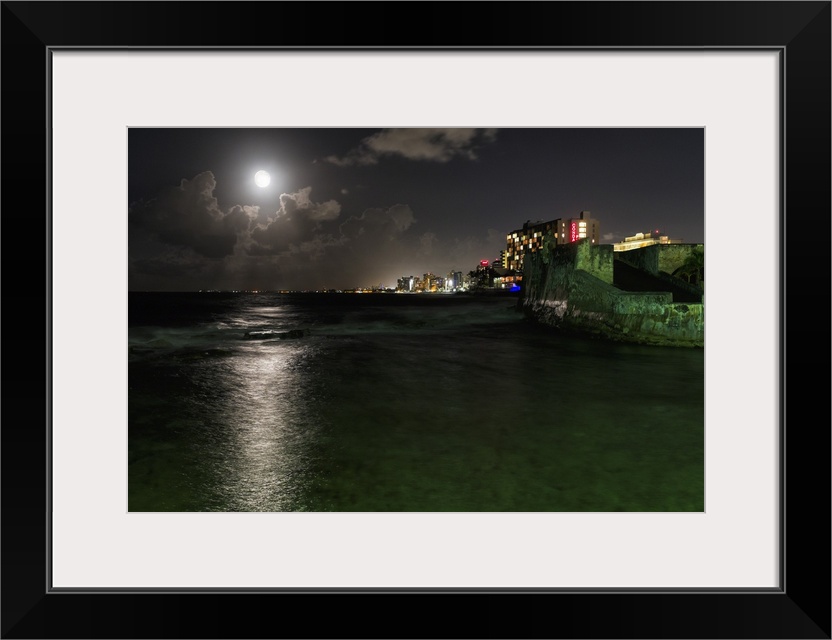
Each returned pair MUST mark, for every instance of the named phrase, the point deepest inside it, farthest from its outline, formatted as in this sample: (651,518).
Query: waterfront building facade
(527,239)
(530,237)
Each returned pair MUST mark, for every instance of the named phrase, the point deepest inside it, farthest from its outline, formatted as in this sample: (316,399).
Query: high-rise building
(531,236)
(527,239)
(453,280)
(406,283)
(431,282)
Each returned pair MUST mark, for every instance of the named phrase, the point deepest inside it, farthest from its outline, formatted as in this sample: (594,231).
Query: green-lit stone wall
(570,287)
(671,256)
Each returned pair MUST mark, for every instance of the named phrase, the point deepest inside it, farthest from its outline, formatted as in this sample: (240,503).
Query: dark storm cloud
(295,225)
(432,145)
(189,216)
(184,236)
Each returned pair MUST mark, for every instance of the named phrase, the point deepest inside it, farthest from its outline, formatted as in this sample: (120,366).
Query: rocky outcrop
(276,335)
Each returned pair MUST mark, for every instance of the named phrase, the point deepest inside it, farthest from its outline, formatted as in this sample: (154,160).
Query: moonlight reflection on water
(402,403)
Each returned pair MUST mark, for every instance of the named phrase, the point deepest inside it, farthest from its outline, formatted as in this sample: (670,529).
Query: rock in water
(278,335)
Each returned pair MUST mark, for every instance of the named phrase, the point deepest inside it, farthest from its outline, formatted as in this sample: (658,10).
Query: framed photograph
(299,184)
(323,345)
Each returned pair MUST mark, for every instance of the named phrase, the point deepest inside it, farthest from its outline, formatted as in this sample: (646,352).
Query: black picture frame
(800,608)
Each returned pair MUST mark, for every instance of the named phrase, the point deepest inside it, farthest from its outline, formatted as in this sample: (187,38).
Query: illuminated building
(643,240)
(406,283)
(453,281)
(432,282)
(530,237)
(506,279)
(579,228)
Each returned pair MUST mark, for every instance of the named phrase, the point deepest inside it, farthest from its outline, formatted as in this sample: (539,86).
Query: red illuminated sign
(573,232)
(484,263)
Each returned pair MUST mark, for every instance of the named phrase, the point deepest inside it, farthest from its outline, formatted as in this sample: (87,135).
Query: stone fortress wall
(571,287)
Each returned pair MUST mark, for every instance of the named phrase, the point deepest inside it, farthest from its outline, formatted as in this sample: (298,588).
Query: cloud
(300,202)
(608,237)
(183,232)
(189,216)
(183,240)
(295,224)
(379,223)
(431,145)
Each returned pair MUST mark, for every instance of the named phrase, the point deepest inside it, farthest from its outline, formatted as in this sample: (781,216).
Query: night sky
(362,207)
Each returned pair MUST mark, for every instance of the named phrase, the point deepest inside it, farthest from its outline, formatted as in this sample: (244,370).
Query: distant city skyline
(348,207)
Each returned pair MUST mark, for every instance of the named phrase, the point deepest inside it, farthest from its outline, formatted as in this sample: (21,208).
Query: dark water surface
(401,403)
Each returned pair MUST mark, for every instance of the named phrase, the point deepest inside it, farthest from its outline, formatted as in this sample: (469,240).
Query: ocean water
(396,403)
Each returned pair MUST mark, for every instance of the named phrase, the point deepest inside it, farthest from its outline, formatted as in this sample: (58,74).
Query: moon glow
(262,179)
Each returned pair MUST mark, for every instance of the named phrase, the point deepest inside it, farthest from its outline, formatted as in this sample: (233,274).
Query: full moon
(262,179)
